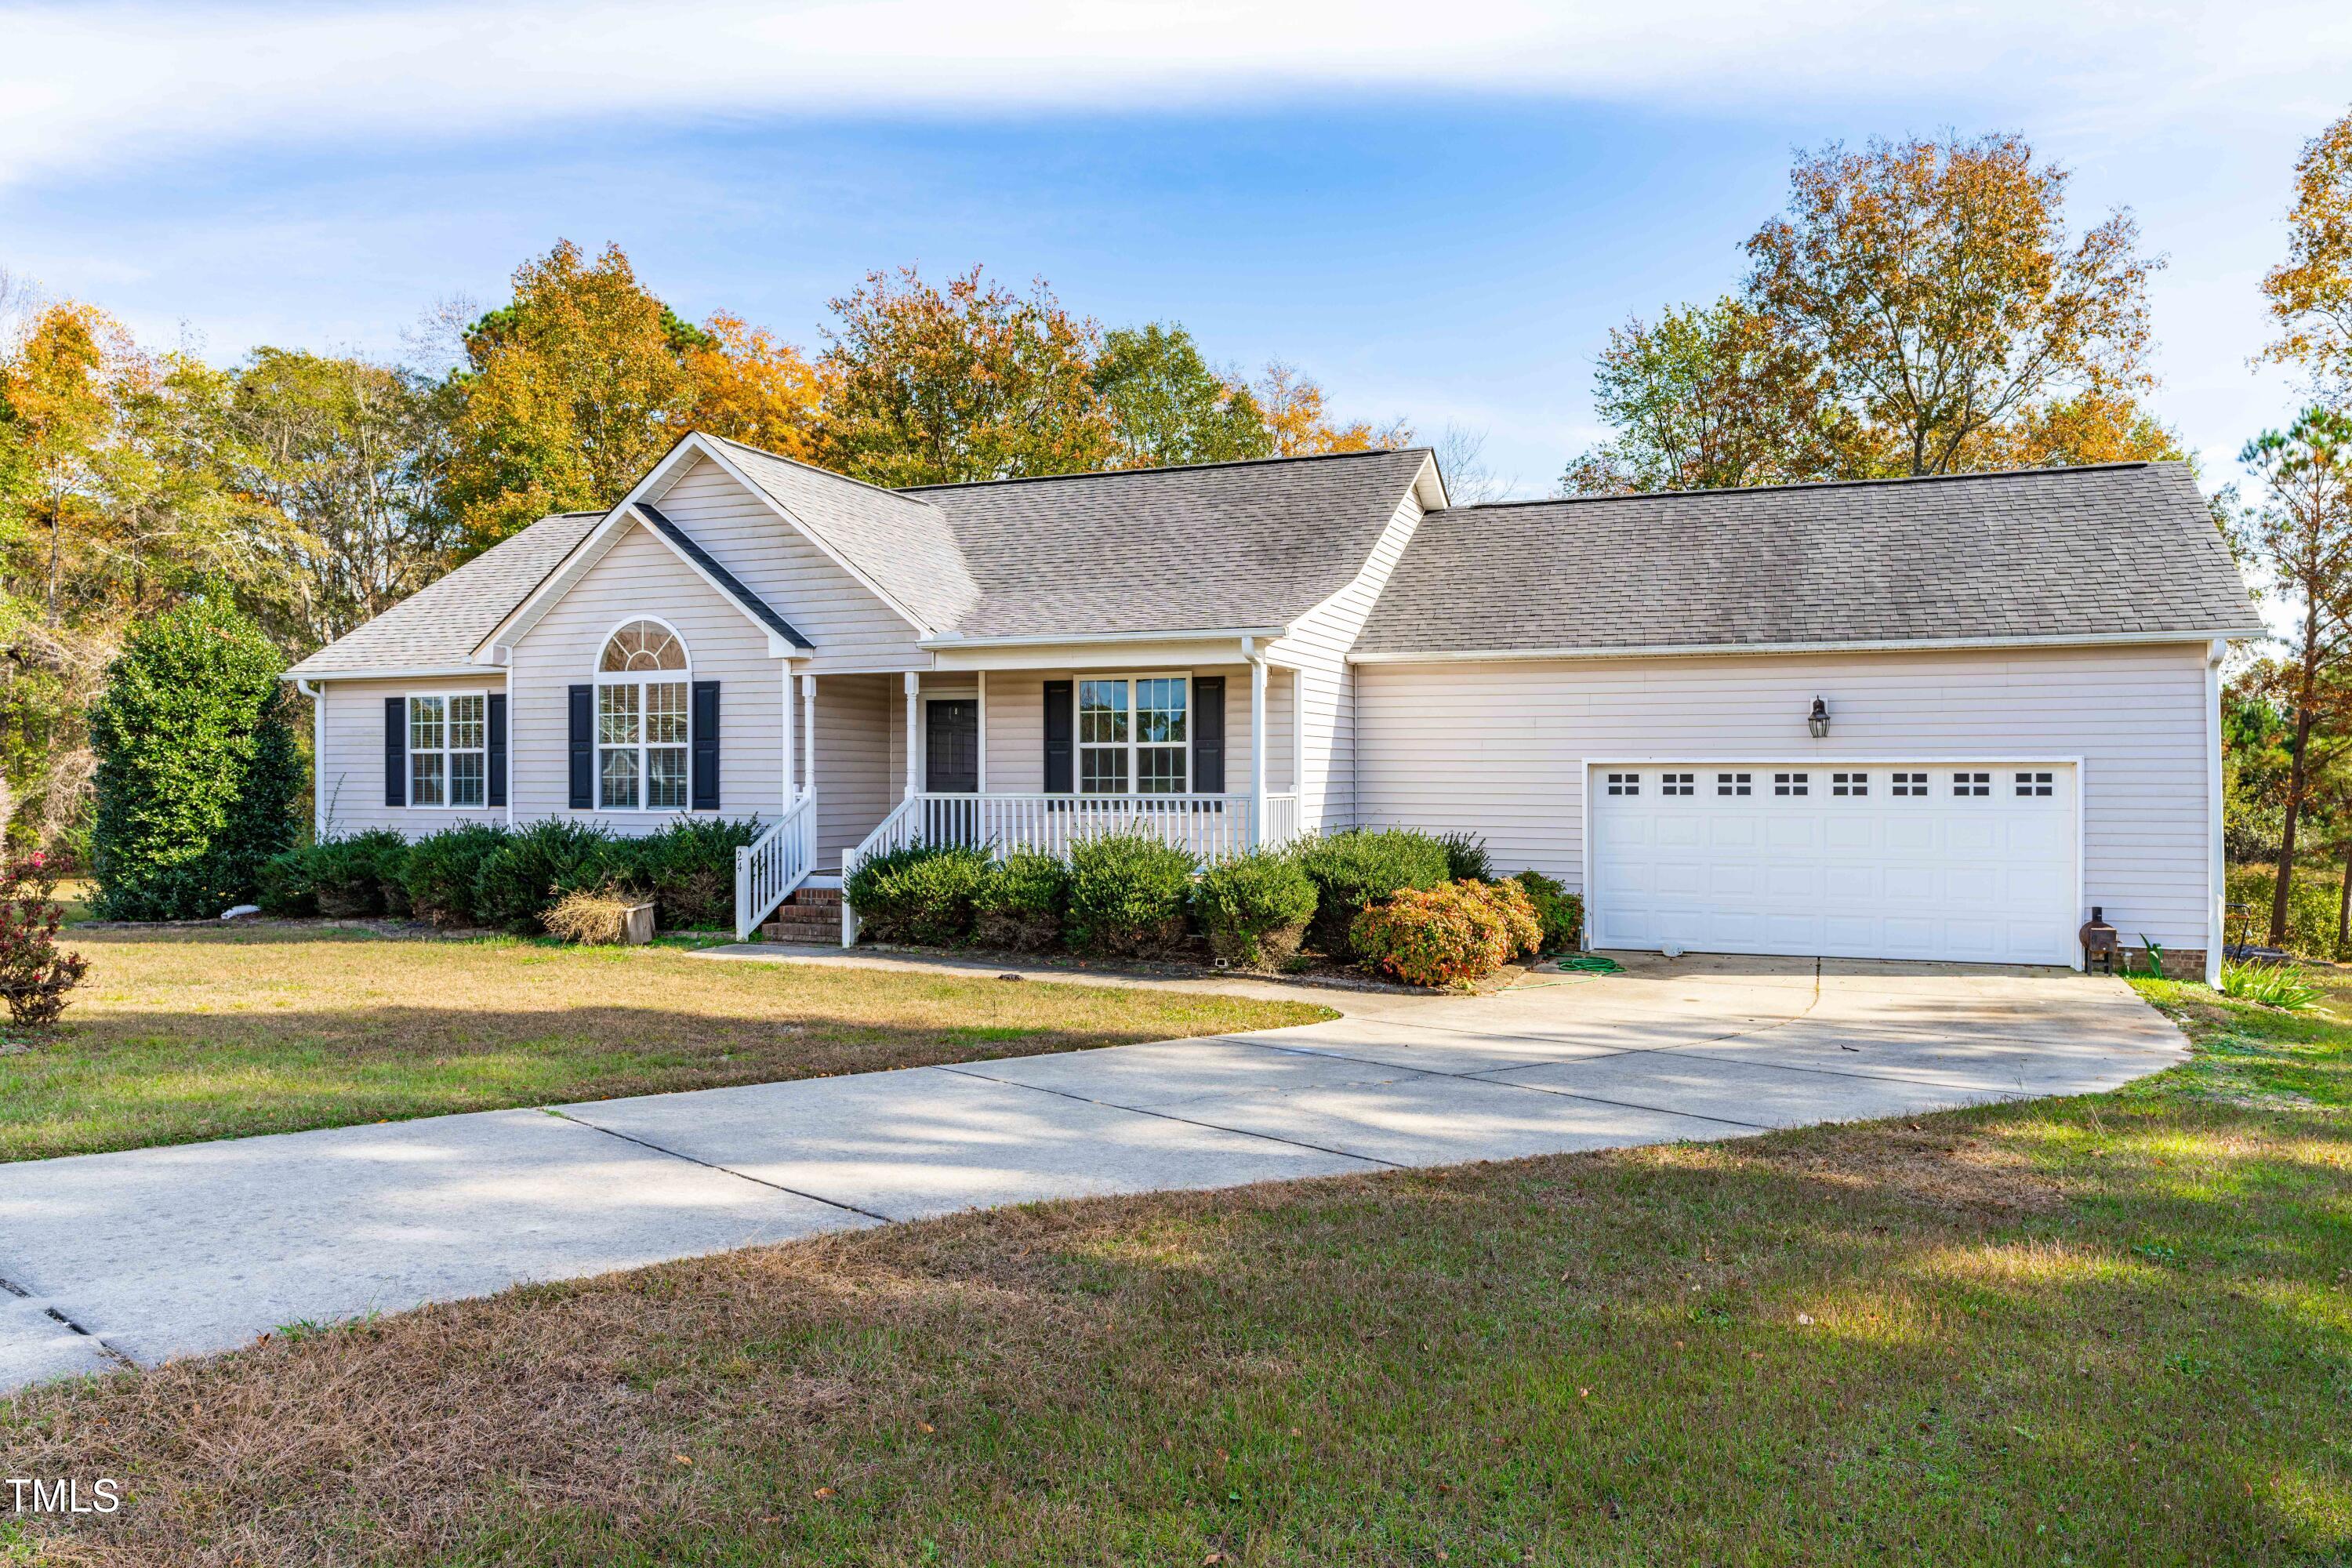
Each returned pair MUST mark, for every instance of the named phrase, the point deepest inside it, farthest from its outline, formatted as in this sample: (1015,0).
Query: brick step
(825,929)
(805,897)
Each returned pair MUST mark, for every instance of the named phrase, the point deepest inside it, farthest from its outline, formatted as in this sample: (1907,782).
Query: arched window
(640,719)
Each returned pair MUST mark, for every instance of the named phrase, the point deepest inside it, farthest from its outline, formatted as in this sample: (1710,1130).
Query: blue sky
(1438,212)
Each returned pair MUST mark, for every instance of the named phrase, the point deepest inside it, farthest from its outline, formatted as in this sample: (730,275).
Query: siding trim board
(1721,650)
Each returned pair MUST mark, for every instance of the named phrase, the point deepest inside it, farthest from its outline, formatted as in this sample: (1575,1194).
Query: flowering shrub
(1446,935)
(33,973)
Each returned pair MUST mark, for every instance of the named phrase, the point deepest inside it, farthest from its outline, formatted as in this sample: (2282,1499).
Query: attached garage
(1973,861)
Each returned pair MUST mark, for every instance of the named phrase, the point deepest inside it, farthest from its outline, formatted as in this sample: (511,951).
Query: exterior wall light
(1818,721)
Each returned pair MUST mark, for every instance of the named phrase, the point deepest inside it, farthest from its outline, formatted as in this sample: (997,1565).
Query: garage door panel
(1940,875)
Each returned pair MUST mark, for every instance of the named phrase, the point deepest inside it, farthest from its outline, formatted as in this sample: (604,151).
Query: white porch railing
(1210,827)
(769,868)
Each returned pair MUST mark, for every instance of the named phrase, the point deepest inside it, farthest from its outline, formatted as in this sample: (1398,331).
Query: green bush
(520,881)
(442,870)
(197,767)
(1448,935)
(2313,905)
(1255,907)
(1355,869)
(688,869)
(285,888)
(920,895)
(1127,894)
(359,877)
(1021,902)
(1466,859)
(1560,912)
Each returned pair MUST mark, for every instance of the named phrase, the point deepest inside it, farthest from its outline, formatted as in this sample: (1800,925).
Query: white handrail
(896,831)
(769,868)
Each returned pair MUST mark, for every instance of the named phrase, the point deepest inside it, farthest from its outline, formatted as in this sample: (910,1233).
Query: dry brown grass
(190,1035)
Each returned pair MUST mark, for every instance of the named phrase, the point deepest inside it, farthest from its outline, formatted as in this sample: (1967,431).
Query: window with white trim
(1910,784)
(1677,783)
(1849,784)
(642,719)
(2033,783)
(1971,784)
(448,750)
(1135,735)
(1624,784)
(1792,783)
(1731,783)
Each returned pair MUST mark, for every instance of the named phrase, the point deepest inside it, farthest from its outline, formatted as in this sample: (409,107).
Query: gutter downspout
(2217,882)
(318,696)
(1256,656)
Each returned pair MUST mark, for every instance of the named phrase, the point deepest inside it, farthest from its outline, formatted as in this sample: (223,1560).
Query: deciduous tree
(752,386)
(2310,294)
(1167,405)
(1300,424)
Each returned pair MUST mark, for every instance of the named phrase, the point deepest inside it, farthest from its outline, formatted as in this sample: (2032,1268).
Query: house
(1938,718)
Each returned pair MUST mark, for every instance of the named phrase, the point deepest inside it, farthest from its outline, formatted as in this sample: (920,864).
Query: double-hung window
(448,759)
(1135,735)
(642,720)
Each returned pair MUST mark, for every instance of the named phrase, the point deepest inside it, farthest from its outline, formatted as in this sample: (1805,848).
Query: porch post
(808,734)
(786,665)
(914,688)
(1258,746)
(983,677)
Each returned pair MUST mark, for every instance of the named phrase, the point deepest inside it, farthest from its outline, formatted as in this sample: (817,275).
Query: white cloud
(85,86)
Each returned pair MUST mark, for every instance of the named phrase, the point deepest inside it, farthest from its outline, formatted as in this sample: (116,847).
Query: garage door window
(1911,784)
(2034,783)
(1849,784)
(1971,784)
(1792,783)
(1678,783)
(1731,783)
(1624,784)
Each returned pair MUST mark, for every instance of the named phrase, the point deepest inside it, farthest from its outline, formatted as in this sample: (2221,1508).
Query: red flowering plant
(34,975)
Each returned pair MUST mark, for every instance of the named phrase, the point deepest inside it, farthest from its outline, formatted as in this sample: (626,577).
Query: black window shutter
(496,765)
(395,750)
(583,747)
(1061,728)
(705,745)
(1209,735)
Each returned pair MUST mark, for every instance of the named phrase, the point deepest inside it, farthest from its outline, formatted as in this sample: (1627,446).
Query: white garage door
(1971,861)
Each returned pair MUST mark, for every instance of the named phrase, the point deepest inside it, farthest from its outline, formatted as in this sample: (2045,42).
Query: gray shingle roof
(1182,549)
(901,544)
(437,626)
(2043,553)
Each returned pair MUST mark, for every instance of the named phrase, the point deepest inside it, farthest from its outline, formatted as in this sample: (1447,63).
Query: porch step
(812,915)
(805,932)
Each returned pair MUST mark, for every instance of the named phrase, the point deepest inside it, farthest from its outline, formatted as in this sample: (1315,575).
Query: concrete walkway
(112,1259)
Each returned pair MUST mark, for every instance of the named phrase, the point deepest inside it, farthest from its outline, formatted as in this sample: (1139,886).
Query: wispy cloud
(85,86)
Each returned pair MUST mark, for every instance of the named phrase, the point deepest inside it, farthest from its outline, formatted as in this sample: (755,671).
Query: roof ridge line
(814,468)
(2044,470)
(1153,468)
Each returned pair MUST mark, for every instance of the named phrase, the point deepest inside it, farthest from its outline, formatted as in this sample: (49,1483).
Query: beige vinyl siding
(641,576)
(851,627)
(1319,645)
(1498,748)
(855,787)
(351,774)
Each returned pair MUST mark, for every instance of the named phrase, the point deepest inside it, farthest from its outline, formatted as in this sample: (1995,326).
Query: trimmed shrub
(441,872)
(1255,907)
(1560,912)
(521,879)
(1127,894)
(197,768)
(689,867)
(286,888)
(1019,903)
(920,895)
(34,975)
(1447,935)
(1360,868)
(359,876)
(1466,859)
(1516,912)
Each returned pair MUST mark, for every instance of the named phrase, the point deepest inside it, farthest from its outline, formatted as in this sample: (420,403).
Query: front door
(951,747)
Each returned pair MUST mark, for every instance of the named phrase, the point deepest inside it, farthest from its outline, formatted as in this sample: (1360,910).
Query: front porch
(1208,759)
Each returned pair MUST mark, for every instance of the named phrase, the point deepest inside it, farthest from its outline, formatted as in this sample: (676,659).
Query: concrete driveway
(108,1259)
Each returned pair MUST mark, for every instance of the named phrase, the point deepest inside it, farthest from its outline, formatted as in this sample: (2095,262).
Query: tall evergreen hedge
(198,770)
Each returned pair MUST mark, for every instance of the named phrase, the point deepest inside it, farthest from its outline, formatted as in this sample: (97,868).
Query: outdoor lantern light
(1818,721)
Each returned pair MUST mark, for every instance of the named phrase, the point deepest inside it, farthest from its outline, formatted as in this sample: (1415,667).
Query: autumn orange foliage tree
(2310,293)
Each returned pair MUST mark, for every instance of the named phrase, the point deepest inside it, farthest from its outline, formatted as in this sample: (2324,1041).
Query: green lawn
(2106,1329)
(185,1034)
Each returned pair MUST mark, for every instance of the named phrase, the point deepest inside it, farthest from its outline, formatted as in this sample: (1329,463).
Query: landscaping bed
(2113,1329)
(211,1032)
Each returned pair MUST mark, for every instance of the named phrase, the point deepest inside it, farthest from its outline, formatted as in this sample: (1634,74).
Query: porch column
(788,703)
(914,708)
(808,734)
(983,677)
(1257,750)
